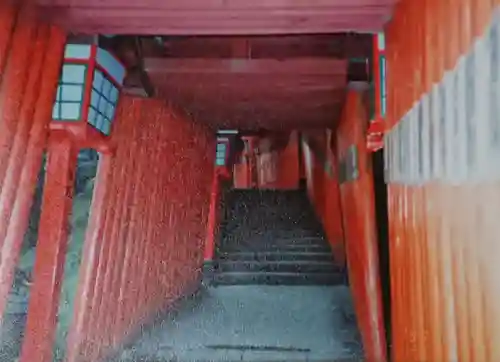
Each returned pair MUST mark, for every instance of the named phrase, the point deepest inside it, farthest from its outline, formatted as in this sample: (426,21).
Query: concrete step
(279,267)
(277,256)
(314,248)
(264,241)
(248,278)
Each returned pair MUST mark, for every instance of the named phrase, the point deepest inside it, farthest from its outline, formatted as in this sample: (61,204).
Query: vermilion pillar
(7,19)
(51,251)
(24,122)
(14,79)
(78,333)
(27,93)
(212,226)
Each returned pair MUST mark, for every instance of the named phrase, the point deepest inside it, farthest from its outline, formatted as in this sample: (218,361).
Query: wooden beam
(219,17)
(218,4)
(259,26)
(343,46)
(264,67)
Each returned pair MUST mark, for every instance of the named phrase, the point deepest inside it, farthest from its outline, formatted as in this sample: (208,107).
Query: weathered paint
(144,245)
(358,213)
(27,92)
(442,182)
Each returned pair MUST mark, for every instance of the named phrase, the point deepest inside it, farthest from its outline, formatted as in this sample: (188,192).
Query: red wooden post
(51,251)
(19,217)
(127,278)
(155,291)
(151,259)
(93,334)
(11,248)
(212,218)
(8,14)
(101,304)
(14,79)
(78,332)
(121,225)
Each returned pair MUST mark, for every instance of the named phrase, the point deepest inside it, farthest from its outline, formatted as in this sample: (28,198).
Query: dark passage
(276,294)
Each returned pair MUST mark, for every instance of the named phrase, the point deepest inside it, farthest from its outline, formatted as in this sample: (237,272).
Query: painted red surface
(14,80)
(140,255)
(7,21)
(214,212)
(27,92)
(443,234)
(358,211)
(320,163)
(332,214)
(51,251)
(239,17)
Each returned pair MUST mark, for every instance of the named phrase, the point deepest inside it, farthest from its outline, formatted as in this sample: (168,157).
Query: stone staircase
(273,238)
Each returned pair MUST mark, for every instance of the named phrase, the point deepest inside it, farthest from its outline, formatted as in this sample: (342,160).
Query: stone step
(249,278)
(277,267)
(267,240)
(277,256)
(314,248)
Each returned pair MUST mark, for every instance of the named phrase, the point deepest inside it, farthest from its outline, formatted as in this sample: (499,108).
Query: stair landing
(255,323)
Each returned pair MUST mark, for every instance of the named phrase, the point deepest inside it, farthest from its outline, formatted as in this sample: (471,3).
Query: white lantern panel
(220,162)
(70,111)
(110,112)
(78,51)
(106,88)
(113,96)
(71,92)
(92,116)
(111,65)
(73,73)
(55,111)
(94,99)
(99,122)
(106,127)
(102,106)
(98,80)
(221,147)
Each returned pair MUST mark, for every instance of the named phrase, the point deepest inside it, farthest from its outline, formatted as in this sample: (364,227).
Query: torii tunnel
(262,167)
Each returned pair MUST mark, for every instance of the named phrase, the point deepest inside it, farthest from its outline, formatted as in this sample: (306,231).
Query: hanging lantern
(87,96)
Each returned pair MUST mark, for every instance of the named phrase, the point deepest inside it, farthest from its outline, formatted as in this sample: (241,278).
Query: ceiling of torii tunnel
(274,64)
